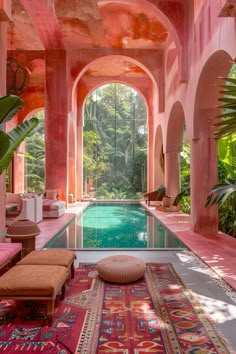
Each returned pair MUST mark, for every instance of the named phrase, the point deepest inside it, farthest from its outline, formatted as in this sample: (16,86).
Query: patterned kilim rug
(153,315)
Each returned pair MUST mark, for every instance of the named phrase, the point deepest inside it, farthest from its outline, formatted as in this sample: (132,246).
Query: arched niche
(173,147)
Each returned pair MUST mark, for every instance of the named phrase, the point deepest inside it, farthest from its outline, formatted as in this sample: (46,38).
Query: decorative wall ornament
(17,77)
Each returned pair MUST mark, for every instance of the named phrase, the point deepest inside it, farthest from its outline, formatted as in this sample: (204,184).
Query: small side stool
(57,257)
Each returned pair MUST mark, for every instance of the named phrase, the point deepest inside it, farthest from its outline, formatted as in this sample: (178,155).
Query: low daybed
(53,208)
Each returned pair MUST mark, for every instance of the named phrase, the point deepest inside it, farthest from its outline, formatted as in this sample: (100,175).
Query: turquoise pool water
(117,225)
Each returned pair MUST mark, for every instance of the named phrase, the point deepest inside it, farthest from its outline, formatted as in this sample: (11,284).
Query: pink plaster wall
(198,49)
(56,116)
(3,31)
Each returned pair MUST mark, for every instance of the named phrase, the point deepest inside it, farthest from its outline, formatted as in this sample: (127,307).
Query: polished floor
(217,257)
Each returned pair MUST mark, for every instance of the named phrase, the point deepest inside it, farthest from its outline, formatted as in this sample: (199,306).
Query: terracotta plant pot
(166,201)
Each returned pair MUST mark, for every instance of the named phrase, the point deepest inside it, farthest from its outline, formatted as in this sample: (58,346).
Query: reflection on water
(121,225)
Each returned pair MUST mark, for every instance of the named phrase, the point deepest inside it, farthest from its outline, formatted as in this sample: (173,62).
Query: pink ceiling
(79,24)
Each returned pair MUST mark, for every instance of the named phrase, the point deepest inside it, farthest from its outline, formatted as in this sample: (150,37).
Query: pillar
(150,156)
(56,122)
(203,178)
(80,155)
(172,173)
(5,11)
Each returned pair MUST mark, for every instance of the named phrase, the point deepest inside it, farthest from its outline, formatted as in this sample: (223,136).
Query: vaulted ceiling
(142,25)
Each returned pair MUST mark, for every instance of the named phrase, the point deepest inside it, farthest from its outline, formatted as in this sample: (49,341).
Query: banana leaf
(5,143)
(9,106)
(16,137)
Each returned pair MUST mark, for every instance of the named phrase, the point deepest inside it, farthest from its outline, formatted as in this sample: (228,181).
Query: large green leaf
(5,143)
(227,125)
(9,106)
(220,193)
(16,136)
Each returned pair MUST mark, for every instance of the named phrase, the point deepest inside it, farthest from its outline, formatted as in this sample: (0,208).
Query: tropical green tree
(115,142)
(35,158)
(184,195)
(224,193)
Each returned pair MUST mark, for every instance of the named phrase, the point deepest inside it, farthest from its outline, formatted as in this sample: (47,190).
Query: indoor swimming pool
(116,226)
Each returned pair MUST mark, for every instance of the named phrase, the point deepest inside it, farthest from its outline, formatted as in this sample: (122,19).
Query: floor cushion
(121,268)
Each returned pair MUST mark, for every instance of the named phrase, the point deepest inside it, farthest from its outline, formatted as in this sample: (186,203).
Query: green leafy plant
(220,193)
(224,194)
(227,125)
(161,191)
(184,193)
(9,141)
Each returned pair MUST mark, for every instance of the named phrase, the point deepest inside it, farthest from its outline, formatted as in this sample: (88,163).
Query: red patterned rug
(153,315)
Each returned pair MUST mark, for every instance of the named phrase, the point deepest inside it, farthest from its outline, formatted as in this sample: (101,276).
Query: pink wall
(5,8)
(177,82)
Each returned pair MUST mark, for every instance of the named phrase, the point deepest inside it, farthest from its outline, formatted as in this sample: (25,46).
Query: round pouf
(121,269)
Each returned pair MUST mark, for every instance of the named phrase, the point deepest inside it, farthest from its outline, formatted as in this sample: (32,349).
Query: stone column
(203,178)
(80,156)
(56,122)
(5,11)
(150,156)
(172,173)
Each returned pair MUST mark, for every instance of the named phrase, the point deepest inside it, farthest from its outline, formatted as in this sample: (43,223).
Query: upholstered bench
(34,282)
(60,257)
(9,252)
(121,268)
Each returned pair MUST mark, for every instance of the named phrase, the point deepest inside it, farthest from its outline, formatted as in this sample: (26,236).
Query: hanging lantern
(17,77)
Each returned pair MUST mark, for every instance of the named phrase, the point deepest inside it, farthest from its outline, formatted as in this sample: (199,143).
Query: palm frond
(221,192)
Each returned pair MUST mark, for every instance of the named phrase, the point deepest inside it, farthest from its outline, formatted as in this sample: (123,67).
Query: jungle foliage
(114,143)
(223,194)
(35,158)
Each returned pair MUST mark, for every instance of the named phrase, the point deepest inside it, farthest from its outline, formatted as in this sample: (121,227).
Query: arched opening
(34,158)
(114,143)
(203,145)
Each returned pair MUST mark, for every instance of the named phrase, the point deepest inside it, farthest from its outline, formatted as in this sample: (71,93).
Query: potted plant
(166,201)
(161,192)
